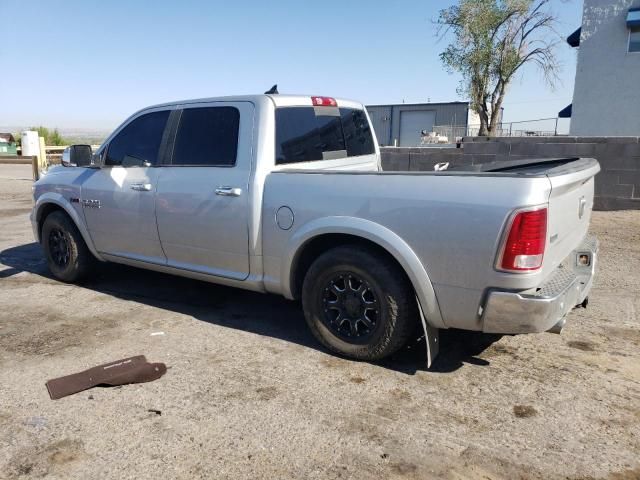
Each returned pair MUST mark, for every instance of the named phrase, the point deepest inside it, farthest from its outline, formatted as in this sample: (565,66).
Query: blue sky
(89,64)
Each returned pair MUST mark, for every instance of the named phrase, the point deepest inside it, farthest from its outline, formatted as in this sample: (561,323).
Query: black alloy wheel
(350,307)
(358,302)
(59,248)
(67,254)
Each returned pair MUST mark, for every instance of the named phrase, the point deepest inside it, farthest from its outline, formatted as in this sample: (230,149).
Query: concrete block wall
(617,186)
(420,159)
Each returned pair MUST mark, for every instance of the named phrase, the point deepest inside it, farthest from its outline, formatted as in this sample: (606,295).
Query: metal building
(402,124)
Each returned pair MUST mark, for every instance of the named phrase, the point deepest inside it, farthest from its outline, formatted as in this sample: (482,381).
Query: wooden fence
(52,156)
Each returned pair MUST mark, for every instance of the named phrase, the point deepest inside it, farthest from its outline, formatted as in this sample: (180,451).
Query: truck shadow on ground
(268,315)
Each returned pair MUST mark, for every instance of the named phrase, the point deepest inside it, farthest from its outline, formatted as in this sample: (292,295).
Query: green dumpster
(8,144)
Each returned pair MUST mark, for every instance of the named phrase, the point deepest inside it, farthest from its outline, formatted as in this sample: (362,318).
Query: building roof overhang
(566,111)
(574,39)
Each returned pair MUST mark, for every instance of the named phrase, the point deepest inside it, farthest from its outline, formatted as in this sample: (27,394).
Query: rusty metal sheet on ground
(121,372)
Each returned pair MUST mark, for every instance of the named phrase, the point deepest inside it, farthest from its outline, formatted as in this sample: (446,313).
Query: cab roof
(279,100)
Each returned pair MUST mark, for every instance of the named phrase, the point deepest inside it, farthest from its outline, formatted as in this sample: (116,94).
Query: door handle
(229,191)
(141,187)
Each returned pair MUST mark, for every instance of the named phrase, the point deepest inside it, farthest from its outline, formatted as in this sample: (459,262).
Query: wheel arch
(318,236)
(49,203)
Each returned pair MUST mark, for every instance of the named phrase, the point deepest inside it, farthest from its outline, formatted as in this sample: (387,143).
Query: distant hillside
(71,135)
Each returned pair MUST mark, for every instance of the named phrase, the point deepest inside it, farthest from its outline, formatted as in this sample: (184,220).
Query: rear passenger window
(138,143)
(305,134)
(207,136)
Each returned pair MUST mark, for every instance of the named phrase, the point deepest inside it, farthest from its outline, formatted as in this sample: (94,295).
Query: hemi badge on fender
(91,203)
(74,200)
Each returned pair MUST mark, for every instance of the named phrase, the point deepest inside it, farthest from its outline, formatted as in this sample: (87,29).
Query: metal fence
(54,153)
(539,127)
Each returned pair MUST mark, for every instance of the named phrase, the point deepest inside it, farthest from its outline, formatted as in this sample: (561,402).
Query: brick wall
(617,185)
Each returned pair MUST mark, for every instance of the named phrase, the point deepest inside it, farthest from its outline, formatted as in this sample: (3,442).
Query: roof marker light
(324,102)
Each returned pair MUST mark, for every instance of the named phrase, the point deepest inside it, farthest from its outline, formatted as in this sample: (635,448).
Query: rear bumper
(547,307)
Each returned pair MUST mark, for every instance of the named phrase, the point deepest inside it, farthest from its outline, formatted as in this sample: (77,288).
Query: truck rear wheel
(359,303)
(67,254)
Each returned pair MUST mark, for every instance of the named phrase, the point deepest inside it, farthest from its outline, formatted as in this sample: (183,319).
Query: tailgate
(570,206)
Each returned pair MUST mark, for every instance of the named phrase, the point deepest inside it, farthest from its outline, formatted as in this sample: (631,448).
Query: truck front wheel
(359,303)
(67,255)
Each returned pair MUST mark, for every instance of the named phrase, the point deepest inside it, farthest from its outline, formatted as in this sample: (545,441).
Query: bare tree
(492,40)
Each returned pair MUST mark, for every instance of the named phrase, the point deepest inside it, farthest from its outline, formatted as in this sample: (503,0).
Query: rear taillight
(324,102)
(524,248)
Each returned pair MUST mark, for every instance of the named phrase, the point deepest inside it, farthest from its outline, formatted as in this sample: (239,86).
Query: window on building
(207,136)
(634,39)
(138,143)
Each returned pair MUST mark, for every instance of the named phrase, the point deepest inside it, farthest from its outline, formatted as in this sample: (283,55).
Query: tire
(375,314)
(67,254)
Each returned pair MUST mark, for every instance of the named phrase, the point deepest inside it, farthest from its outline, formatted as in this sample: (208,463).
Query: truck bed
(453,220)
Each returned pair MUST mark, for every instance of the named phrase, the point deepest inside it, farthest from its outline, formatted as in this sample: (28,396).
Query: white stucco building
(606,98)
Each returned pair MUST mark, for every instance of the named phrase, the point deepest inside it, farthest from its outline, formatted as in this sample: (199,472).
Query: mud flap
(431,336)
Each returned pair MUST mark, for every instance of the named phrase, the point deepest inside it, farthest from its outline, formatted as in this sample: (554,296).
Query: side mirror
(77,156)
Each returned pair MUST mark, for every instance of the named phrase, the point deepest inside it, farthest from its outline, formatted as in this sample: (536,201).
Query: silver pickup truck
(285,194)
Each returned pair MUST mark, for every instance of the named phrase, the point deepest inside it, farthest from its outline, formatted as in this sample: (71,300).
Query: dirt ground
(250,394)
